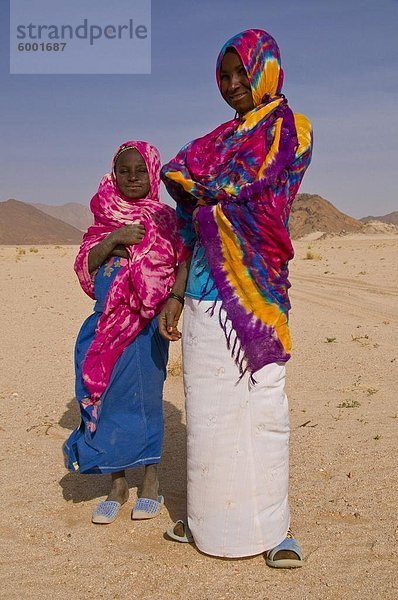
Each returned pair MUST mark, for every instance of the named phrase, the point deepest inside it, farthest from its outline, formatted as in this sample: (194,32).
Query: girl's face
(235,86)
(132,175)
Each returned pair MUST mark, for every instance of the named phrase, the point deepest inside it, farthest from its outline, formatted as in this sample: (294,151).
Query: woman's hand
(128,235)
(168,320)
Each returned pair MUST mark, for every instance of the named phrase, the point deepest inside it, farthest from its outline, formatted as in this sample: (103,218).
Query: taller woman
(234,188)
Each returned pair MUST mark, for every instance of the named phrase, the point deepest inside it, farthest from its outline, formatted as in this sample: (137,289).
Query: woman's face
(132,175)
(235,86)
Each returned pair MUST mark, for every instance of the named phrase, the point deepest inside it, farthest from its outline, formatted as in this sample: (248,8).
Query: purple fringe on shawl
(257,342)
(226,167)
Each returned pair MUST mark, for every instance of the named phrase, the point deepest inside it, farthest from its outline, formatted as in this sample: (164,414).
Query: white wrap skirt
(238,444)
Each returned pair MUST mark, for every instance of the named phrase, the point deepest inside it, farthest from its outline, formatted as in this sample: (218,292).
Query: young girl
(234,188)
(127,263)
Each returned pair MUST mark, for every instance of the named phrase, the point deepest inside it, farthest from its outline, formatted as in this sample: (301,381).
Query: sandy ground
(344,419)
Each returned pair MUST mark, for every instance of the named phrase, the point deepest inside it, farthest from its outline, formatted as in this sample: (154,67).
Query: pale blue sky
(58,132)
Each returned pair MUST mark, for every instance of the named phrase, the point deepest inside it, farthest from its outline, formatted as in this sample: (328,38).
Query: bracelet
(177,297)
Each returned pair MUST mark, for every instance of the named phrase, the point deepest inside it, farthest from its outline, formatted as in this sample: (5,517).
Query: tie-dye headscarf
(245,175)
(139,290)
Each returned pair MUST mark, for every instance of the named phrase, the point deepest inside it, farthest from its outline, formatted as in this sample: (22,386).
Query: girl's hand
(110,245)
(168,320)
(128,235)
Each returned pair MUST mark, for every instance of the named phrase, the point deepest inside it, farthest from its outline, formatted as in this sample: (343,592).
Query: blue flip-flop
(105,512)
(290,544)
(187,538)
(147,508)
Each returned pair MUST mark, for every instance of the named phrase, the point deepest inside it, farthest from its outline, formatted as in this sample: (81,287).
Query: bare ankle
(119,490)
(150,485)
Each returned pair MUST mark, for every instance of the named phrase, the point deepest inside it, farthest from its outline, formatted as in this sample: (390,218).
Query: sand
(344,420)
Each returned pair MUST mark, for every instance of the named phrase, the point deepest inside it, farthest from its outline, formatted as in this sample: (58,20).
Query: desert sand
(342,386)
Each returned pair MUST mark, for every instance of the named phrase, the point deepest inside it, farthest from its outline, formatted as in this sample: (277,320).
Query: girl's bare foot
(120,489)
(150,485)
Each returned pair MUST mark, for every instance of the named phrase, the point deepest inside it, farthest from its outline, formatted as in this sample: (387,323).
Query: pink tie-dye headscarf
(139,290)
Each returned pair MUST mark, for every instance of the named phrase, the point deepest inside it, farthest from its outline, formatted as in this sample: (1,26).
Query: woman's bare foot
(150,485)
(287,554)
(282,554)
(179,529)
(120,489)
(180,532)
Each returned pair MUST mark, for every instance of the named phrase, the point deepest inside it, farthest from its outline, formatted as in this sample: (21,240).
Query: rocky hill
(391,218)
(77,215)
(311,213)
(22,223)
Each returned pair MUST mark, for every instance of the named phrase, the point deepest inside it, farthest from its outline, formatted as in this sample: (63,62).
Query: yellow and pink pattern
(244,175)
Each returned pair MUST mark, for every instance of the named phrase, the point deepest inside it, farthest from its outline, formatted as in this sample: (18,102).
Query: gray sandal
(105,512)
(288,544)
(183,539)
(146,508)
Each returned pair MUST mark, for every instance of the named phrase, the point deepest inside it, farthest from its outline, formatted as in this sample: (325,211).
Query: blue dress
(130,430)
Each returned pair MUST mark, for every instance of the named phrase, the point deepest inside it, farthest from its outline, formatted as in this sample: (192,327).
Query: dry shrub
(20,252)
(349,404)
(312,256)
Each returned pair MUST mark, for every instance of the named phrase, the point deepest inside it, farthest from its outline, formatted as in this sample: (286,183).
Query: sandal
(183,539)
(147,508)
(288,544)
(105,512)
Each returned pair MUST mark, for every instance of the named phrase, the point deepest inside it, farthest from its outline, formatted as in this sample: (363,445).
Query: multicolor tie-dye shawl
(244,176)
(139,291)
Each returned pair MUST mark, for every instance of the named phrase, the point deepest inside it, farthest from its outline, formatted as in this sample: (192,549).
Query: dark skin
(132,179)
(236,91)
(234,84)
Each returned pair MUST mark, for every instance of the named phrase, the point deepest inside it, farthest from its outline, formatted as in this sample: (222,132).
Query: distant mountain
(75,214)
(22,223)
(391,218)
(311,212)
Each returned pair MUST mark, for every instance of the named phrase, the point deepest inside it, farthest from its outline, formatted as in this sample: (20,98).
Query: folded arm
(115,244)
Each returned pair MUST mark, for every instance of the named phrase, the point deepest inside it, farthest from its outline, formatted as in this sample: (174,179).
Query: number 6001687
(41,47)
